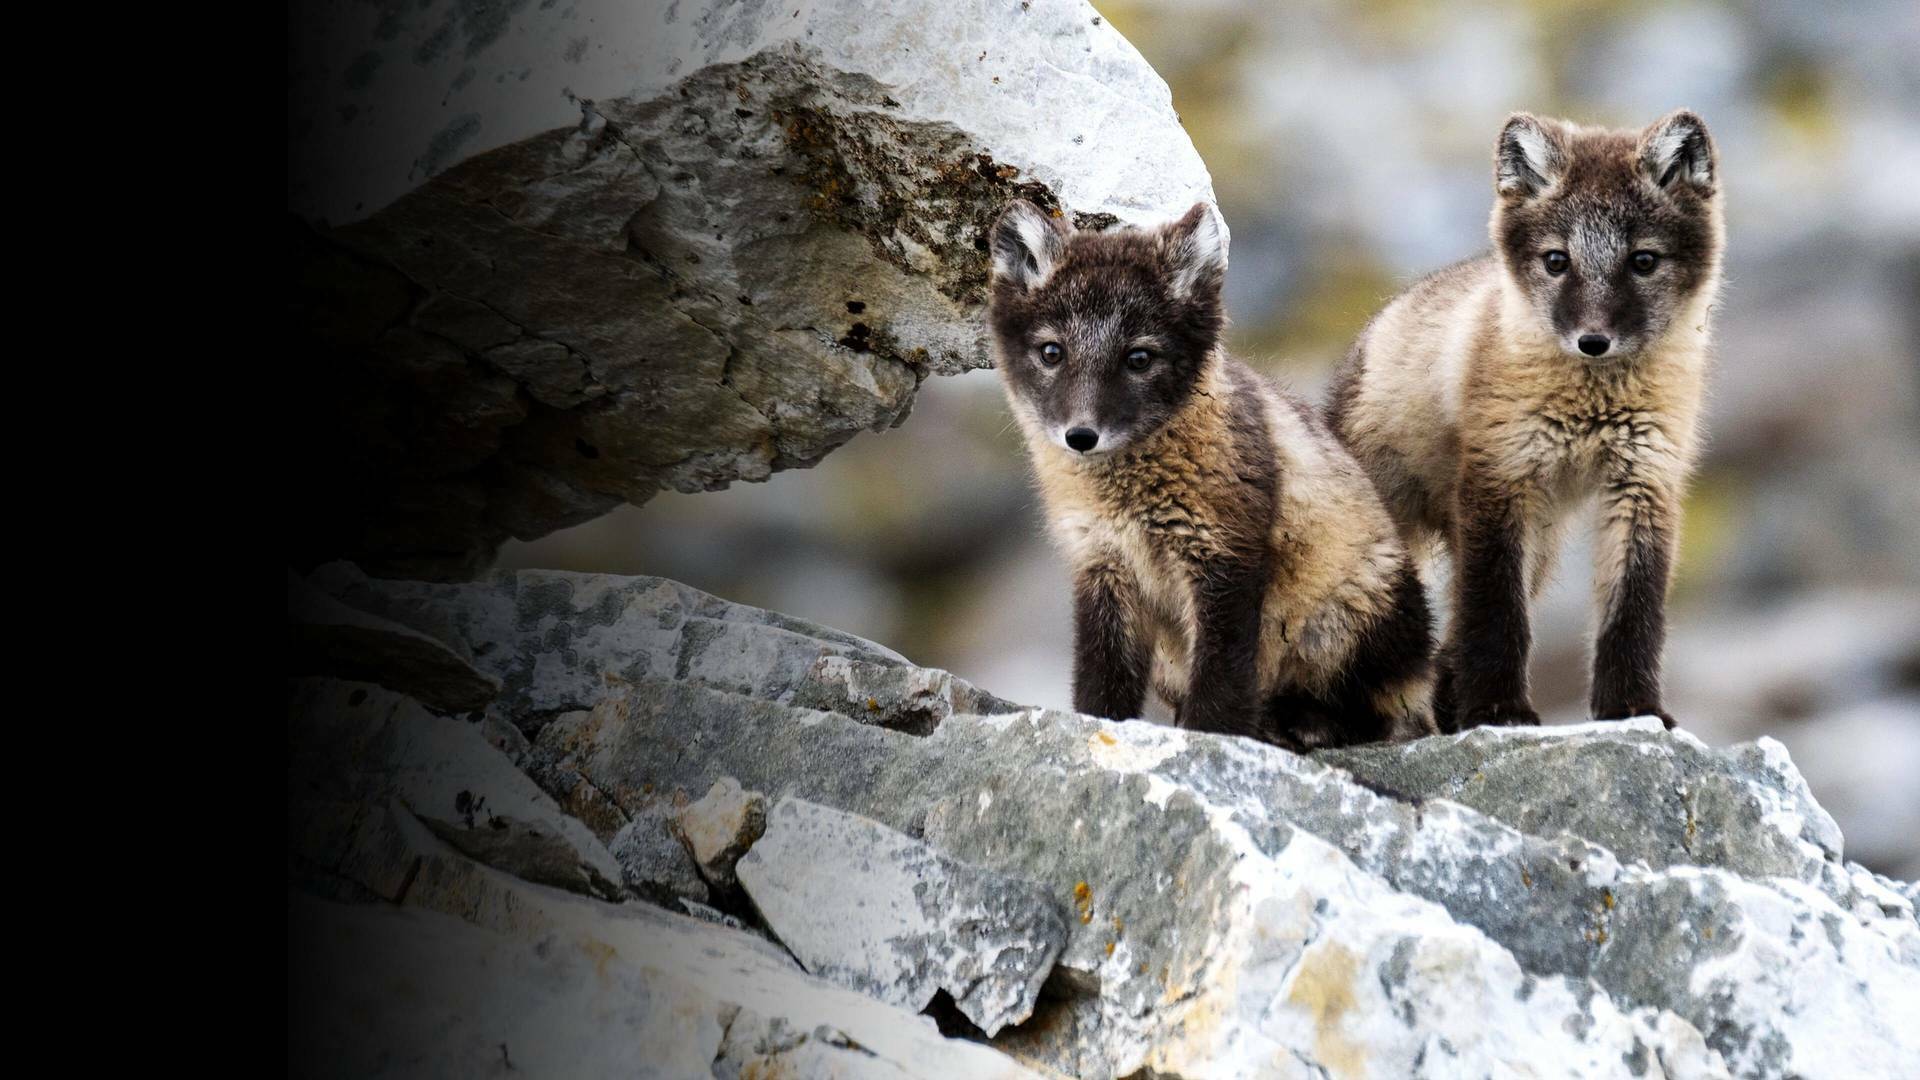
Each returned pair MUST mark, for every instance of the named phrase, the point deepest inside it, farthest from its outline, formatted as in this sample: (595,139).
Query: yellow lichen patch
(1526,878)
(601,952)
(1105,739)
(1323,986)
(1118,926)
(1083,902)
(1109,948)
(1606,899)
(873,705)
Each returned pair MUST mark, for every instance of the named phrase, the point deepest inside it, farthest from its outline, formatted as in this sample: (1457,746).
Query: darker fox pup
(1227,552)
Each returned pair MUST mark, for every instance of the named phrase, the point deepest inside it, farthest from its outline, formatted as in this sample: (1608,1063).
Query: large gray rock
(1472,904)
(880,912)
(549,258)
(1693,806)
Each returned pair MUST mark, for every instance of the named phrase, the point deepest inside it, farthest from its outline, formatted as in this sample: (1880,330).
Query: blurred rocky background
(1349,146)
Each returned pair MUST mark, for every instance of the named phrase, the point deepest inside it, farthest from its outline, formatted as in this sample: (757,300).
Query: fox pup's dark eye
(1644,262)
(1051,354)
(1139,360)
(1556,262)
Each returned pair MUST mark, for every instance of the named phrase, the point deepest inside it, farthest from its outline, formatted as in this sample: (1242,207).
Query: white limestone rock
(880,912)
(483,974)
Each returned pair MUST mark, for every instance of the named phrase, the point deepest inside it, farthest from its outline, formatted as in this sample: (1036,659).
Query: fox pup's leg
(1489,638)
(1112,655)
(1223,679)
(1637,536)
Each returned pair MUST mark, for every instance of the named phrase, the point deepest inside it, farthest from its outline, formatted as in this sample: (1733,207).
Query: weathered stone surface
(482,974)
(901,697)
(880,912)
(357,754)
(1463,905)
(326,637)
(1745,809)
(653,861)
(550,258)
(558,640)
(720,827)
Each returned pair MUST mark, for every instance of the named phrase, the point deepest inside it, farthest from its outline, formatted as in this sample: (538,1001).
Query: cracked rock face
(1613,899)
(880,912)
(549,258)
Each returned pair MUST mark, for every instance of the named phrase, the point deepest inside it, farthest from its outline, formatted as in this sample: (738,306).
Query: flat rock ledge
(549,258)
(1051,894)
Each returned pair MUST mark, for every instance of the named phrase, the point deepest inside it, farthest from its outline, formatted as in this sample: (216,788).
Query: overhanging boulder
(552,258)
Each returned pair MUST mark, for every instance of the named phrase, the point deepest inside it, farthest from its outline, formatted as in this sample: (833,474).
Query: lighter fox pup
(1227,552)
(1495,397)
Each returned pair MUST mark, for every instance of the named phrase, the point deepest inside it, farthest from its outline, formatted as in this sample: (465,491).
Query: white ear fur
(1196,250)
(1676,149)
(1528,157)
(1026,245)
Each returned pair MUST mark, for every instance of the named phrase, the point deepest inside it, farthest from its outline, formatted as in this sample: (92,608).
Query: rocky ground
(577,825)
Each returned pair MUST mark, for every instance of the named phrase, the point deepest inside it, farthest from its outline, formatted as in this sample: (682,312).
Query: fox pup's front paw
(1496,714)
(1219,718)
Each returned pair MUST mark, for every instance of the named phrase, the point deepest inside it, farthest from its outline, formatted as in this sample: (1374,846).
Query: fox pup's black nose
(1083,439)
(1595,344)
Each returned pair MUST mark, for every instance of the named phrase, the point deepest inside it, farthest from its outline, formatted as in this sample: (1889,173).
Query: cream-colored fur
(1459,367)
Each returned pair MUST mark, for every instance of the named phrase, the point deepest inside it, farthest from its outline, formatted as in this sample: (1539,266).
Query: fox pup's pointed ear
(1677,153)
(1027,244)
(1195,249)
(1529,157)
